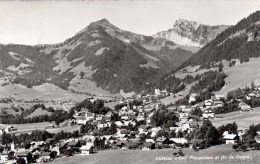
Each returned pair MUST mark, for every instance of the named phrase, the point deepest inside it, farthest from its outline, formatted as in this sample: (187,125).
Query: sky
(50,22)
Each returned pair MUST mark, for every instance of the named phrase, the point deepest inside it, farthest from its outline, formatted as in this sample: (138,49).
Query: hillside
(100,59)
(191,33)
(237,42)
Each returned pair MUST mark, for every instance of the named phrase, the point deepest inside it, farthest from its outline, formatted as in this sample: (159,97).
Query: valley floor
(165,156)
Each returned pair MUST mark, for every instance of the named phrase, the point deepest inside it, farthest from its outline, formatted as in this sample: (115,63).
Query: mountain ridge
(191,33)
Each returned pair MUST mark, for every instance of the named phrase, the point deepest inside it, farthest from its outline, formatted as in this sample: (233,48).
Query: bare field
(154,156)
(243,120)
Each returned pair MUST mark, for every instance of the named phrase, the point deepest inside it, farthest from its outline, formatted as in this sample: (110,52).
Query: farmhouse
(244,107)
(257,137)
(179,141)
(230,138)
(87,149)
(148,146)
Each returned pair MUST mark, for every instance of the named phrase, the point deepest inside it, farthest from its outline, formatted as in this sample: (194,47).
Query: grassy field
(241,75)
(38,112)
(41,126)
(178,96)
(243,120)
(153,156)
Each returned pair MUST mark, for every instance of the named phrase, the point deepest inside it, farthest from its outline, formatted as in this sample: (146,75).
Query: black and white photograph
(130,81)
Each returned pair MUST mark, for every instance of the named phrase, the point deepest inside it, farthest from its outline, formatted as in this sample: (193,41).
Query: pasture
(243,119)
(166,156)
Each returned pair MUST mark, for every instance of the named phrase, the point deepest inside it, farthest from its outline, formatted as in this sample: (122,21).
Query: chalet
(103,124)
(89,116)
(149,140)
(132,145)
(219,97)
(179,141)
(161,140)
(87,149)
(208,103)
(125,117)
(44,156)
(10,129)
(250,96)
(175,129)
(257,137)
(49,126)
(155,130)
(217,104)
(186,126)
(109,114)
(148,146)
(244,107)
(121,145)
(230,138)
(107,118)
(183,116)
(187,109)
(197,142)
(81,121)
(192,97)
(98,117)
(208,115)
(119,123)
(22,154)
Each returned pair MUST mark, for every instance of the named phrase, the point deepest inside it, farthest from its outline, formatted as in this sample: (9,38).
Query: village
(141,122)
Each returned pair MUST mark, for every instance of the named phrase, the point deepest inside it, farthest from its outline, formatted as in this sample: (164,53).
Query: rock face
(190,33)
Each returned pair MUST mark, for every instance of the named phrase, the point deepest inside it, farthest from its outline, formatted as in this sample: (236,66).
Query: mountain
(101,58)
(237,42)
(190,33)
(236,49)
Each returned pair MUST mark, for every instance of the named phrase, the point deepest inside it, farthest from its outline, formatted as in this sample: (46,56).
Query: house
(208,115)
(183,116)
(148,146)
(87,149)
(200,143)
(49,126)
(103,124)
(22,154)
(44,156)
(119,123)
(155,130)
(244,107)
(230,138)
(161,140)
(219,97)
(149,140)
(179,141)
(89,116)
(124,117)
(81,121)
(208,103)
(175,129)
(187,109)
(257,137)
(10,129)
(192,97)
(218,104)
